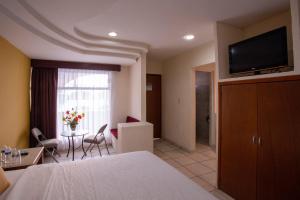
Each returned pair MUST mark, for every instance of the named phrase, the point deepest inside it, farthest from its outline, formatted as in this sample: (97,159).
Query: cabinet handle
(259,140)
(254,139)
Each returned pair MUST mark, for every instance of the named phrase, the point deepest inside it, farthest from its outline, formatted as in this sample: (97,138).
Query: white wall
(178,95)
(225,35)
(119,96)
(137,89)
(154,66)
(295,12)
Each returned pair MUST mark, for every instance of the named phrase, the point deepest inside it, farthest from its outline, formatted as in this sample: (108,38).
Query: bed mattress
(132,176)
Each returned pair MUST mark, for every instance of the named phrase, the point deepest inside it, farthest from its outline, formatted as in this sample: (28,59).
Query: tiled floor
(78,154)
(200,165)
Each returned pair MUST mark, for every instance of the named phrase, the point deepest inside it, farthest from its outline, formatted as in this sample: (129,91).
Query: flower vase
(73,127)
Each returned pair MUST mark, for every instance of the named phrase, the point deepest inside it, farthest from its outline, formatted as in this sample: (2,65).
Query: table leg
(69,147)
(73,148)
(82,145)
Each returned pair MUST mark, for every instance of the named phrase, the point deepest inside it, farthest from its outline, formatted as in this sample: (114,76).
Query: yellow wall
(14,96)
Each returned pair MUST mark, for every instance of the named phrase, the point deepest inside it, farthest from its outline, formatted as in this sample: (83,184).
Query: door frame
(210,67)
(160,75)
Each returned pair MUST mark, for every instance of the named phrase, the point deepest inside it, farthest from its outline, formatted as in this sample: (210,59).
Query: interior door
(154,102)
(238,129)
(279,149)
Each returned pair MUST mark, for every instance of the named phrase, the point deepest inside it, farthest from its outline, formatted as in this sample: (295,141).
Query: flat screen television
(268,50)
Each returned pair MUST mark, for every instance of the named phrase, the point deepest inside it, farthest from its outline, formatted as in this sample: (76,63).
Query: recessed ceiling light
(189,37)
(113,34)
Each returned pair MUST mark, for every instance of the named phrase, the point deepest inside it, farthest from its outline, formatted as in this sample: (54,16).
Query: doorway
(153,102)
(203,99)
(205,89)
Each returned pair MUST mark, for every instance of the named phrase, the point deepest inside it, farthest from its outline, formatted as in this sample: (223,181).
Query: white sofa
(135,136)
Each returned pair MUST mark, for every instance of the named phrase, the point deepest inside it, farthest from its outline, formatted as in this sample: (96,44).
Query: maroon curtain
(43,102)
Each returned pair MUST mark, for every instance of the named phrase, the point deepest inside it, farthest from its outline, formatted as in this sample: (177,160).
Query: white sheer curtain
(87,91)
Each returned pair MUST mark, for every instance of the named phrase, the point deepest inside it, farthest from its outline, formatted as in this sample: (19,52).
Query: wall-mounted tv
(268,50)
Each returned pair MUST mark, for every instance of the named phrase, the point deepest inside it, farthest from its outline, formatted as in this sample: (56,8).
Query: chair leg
(99,149)
(51,155)
(84,153)
(56,151)
(92,148)
(106,146)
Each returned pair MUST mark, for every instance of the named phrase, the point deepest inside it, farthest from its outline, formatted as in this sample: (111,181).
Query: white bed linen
(12,177)
(130,176)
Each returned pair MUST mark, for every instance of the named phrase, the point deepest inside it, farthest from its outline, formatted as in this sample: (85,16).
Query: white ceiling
(77,30)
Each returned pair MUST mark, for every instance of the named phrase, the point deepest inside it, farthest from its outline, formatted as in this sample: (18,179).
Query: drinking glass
(15,155)
(7,154)
(2,154)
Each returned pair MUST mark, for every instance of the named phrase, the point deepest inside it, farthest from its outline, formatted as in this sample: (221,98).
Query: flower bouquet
(72,118)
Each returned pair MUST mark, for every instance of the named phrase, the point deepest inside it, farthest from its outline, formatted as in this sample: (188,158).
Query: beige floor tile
(174,154)
(184,160)
(201,148)
(210,178)
(156,151)
(183,151)
(221,195)
(164,148)
(173,163)
(210,154)
(186,172)
(211,164)
(162,155)
(203,184)
(198,157)
(158,144)
(173,146)
(165,158)
(198,169)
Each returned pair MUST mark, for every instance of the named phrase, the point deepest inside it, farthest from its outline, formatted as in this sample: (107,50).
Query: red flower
(79,116)
(76,119)
(68,112)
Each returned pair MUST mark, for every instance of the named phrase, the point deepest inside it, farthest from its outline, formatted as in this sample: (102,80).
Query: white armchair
(136,136)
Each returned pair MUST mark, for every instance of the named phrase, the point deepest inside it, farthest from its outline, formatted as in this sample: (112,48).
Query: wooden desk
(35,156)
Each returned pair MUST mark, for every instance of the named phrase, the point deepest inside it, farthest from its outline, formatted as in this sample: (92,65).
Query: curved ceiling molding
(126,47)
(59,43)
(142,46)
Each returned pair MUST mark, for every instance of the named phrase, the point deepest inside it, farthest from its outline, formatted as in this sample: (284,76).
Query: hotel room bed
(132,176)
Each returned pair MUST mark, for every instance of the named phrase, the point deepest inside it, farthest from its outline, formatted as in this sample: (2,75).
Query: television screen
(267,50)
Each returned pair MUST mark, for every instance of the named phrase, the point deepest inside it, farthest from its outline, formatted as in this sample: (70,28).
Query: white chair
(50,145)
(96,140)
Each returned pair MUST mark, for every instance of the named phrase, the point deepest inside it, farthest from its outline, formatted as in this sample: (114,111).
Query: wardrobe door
(279,145)
(238,128)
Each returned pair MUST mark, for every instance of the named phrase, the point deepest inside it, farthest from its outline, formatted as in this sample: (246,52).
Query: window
(86,91)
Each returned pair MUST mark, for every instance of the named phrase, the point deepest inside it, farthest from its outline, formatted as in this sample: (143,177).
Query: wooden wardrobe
(259,138)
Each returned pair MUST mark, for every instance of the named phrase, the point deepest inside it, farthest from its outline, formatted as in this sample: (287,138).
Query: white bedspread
(131,176)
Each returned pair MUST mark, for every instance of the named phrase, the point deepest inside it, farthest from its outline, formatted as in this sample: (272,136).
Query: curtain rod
(36,63)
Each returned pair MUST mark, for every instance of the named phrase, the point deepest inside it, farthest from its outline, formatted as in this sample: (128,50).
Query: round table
(72,134)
